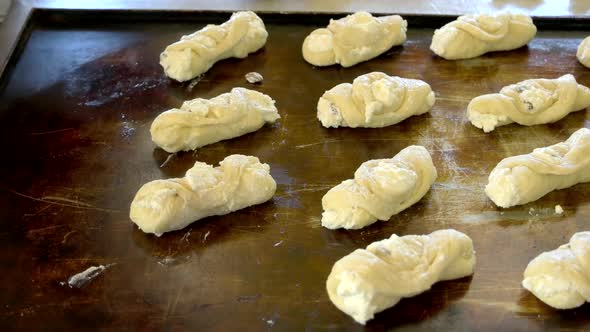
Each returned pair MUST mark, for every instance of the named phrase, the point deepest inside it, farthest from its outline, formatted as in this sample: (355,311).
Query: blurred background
(450,7)
(4,4)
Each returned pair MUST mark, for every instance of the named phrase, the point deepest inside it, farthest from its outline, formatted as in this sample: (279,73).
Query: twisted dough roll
(166,205)
(380,189)
(561,278)
(529,102)
(583,53)
(374,100)
(368,281)
(199,122)
(526,178)
(355,38)
(194,54)
(473,35)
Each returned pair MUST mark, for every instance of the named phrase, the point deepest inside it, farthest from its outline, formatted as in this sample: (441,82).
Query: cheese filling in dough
(374,100)
(526,178)
(194,54)
(583,53)
(530,102)
(370,280)
(561,277)
(166,205)
(355,38)
(380,189)
(199,122)
(473,35)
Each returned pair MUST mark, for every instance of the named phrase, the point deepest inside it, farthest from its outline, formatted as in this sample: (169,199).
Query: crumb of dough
(194,82)
(81,279)
(254,77)
(558,209)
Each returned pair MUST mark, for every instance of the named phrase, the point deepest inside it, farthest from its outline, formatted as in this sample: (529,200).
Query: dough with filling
(526,178)
(370,280)
(470,36)
(583,53)
(166,205)
(199,122)
(380,189)
(374,100)
(194,54)
(561,277)
(530,102)
(355,38)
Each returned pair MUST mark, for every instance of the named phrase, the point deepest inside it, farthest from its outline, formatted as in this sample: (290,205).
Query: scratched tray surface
(75,112)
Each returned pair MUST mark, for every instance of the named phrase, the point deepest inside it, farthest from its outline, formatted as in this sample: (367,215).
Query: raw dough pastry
(194,54)
(374,100)
(380,189)
(529,102)
(473,35)
(583,53)
(199,122)
(355,38)
(561,278)
(526,178)
(368,281)
(167,205)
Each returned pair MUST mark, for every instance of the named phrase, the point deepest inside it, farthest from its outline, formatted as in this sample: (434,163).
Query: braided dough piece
(370,280)
(380,189)
(583,53)
(473,35)
(194,54)
(561,277)
(374,100)
(530,102)
(199,122)
(353,39)
(525,178)
(166,205)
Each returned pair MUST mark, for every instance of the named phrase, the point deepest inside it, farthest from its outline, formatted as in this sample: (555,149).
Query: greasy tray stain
(75,120)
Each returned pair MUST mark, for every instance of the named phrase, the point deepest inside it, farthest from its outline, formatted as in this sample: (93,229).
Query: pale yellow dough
(530,102)
(526,178)
(199,122)
(374,100)
(194,54)
(370,280)
(355,38)
(380,189)
(583,53)
(561,277)
(473,35)
(166,205)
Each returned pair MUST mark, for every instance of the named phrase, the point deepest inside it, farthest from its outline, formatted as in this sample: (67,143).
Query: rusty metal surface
(75,113)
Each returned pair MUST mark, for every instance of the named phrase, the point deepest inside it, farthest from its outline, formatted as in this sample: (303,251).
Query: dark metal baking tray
(76,101)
